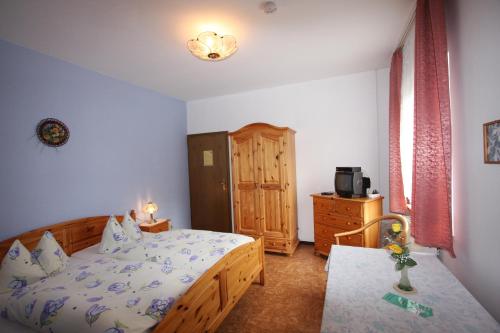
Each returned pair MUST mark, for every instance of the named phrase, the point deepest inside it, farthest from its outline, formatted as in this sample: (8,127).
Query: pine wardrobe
(264,186)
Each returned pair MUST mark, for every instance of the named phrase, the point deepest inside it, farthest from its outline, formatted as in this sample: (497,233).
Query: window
(407,111)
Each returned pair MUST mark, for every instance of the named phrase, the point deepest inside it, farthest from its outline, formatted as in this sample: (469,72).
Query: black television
(350,183)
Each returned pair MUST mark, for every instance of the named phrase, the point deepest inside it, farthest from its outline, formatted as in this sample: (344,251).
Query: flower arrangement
(401,254)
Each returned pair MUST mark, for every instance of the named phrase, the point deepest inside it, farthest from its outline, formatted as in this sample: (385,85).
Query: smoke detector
(269,7)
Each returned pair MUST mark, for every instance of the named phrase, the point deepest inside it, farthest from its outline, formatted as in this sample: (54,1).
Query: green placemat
(408,305)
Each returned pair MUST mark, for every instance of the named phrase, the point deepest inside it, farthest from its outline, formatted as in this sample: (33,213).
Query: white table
(358,278)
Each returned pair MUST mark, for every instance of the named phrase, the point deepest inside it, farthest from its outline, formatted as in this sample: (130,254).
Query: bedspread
(97,293)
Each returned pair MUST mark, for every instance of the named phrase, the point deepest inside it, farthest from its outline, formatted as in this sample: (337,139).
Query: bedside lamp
(150,208)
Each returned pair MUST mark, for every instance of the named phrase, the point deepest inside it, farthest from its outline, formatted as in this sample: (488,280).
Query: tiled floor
(291,301)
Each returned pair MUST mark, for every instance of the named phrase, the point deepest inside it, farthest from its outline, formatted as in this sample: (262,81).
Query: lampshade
(150,208)
(212,47)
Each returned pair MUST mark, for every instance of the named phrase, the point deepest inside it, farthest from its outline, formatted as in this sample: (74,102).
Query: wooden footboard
(211,298)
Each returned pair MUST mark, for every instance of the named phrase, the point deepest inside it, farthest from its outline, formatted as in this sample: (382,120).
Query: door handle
(223,184)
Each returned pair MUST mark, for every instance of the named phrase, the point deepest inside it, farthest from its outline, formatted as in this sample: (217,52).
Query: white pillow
(113,238)
(131,228)
(50,254)
(18,269)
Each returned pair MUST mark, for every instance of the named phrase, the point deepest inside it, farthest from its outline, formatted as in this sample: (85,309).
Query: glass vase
(404,282)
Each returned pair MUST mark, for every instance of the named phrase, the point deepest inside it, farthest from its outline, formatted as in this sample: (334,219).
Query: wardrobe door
(271,173)
(246,199)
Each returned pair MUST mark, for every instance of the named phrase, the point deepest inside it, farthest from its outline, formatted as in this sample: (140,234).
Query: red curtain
(397,202)
(431,195)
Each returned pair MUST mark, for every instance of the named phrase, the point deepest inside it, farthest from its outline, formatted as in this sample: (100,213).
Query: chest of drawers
(333,214)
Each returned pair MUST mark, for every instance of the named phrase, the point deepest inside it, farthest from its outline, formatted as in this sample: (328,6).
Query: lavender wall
(127,145)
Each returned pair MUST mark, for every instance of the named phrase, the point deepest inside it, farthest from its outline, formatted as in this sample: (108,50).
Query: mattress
(98,293)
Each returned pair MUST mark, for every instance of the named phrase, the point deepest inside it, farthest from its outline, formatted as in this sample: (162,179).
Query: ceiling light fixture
(212,47)
(269,7)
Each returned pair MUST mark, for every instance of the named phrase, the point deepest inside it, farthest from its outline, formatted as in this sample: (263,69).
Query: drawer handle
(89,229)
(349,237)
(348,223)
(348,209)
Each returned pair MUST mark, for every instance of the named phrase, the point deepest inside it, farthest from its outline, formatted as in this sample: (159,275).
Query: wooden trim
(210,299)
(398,217)
(485,142)
(256,126)
(73,235)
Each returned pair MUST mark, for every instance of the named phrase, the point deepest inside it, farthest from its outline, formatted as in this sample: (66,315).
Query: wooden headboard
(73,235)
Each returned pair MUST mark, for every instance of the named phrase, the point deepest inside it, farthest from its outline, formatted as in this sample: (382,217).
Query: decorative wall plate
(52,132)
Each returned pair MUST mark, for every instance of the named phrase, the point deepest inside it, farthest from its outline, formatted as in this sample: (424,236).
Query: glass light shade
(212,47)
(150,208)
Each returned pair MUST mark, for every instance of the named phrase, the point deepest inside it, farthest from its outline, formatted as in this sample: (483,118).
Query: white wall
(474,46)
(383,133)
(336,123)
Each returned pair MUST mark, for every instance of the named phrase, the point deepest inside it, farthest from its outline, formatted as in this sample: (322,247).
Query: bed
(200,308)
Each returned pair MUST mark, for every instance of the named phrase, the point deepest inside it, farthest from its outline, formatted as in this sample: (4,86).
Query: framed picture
(491,134)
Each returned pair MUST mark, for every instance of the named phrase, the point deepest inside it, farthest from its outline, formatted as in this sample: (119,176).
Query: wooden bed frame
(206,303)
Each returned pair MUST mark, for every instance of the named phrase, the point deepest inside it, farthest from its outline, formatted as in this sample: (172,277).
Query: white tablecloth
(358,278)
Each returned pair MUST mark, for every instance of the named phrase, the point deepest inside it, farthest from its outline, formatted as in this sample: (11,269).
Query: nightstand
(159,226)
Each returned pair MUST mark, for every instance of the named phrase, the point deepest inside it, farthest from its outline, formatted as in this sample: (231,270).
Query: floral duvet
(104,294)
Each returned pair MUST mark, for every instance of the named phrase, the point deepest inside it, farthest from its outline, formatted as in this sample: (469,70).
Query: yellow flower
(396,227)
(395,248)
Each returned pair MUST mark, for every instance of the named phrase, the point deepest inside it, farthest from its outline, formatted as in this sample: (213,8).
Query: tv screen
(343,183)
(349,184)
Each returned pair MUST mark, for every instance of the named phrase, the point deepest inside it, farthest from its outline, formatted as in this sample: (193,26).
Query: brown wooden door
(272,179)
(208,156)
(245,193)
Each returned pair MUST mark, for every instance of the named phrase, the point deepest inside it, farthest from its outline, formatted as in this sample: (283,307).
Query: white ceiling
(144,42)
